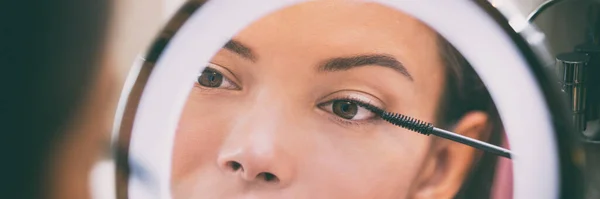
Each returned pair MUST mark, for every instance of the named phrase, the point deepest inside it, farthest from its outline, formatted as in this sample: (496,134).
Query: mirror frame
(548,169)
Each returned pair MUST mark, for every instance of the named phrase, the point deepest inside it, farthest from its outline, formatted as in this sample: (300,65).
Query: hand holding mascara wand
(428,129)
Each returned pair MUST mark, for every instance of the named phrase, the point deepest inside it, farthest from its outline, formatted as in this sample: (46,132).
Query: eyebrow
(238,48)
(335,64)
(347,63)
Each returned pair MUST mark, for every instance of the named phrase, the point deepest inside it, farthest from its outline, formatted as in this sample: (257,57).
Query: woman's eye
(211,78)
(348,110)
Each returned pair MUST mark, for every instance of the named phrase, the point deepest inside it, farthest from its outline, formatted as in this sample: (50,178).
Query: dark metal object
(572,73)
(593,52)
(592,87)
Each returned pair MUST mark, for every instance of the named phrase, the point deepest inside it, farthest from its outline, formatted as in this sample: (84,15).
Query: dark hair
(464,93)
(49,53)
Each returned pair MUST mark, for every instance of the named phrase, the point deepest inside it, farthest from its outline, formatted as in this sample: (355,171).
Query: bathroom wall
(564,24)
(132,26)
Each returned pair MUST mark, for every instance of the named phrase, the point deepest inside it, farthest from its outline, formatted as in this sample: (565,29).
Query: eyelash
(357,101)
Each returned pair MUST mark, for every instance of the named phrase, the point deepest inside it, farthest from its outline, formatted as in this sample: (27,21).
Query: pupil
(345,109)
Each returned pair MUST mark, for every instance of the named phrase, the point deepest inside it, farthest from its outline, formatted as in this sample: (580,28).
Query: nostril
(238,168)
(268,177)
(235,165)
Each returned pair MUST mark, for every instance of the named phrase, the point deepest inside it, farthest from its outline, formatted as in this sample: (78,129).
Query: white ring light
(482,41)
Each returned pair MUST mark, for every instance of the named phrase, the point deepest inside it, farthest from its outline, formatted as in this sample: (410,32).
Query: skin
(272,113)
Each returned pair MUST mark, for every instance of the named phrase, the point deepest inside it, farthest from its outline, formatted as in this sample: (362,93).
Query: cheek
(379,164)
(199,135)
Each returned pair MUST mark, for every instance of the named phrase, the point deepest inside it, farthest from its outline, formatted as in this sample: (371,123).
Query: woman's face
(273,115)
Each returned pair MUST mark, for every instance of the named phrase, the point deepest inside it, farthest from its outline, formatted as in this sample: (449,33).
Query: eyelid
(353,95)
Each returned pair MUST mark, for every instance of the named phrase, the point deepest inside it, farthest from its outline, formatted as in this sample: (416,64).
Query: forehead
(325,29)
(318,30)
(340,23)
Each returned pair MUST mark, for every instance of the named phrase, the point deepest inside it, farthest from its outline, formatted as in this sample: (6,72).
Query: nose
(255,150)
(254,168)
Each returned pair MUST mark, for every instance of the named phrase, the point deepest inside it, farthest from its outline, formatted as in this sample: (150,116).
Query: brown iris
(210,78)
(344,109)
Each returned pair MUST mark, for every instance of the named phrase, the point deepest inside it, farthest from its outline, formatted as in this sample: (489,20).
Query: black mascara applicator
(426,128)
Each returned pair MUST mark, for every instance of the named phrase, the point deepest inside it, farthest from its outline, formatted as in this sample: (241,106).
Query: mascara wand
(426,128)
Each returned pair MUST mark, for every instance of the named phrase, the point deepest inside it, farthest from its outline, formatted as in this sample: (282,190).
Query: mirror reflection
(277,111)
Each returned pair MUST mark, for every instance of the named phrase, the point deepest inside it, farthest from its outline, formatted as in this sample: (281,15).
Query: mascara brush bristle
(406,122)
(400,120)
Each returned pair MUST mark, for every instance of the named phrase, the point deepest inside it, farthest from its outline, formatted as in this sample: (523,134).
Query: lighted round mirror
(344,99)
